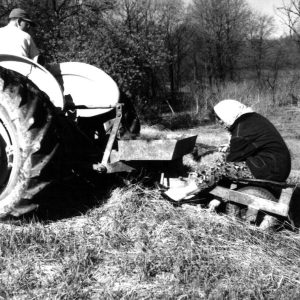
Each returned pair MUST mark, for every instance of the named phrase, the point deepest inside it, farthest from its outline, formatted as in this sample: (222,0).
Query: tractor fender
(91,90)
(41,77)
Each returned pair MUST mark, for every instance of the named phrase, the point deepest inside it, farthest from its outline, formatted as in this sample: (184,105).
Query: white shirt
(17,42)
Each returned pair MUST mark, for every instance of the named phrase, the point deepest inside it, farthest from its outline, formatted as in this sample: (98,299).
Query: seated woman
(254,141)
(256,150)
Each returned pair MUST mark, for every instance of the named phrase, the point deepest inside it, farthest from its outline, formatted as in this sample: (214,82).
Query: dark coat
(255,139)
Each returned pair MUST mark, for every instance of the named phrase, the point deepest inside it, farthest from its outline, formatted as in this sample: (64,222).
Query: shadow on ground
(72,197)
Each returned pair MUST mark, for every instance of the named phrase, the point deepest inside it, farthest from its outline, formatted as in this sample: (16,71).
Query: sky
(265,6)
(269,7)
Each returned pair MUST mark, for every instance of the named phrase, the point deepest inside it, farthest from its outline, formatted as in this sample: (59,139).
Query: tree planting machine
(73,120)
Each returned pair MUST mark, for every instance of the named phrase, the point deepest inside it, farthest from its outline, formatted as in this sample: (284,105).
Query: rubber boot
(268,223)
(213,204)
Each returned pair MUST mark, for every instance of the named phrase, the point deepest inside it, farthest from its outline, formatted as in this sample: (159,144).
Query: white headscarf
(229,110)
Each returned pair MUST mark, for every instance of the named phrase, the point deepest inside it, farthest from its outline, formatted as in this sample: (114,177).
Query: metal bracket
(111,140)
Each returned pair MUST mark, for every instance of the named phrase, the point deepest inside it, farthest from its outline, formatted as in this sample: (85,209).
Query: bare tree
(177,37)
(156,28)
(260,30)
(221,26)
(290,15)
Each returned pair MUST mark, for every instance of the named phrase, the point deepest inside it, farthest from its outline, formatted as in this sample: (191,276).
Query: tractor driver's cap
(21,14)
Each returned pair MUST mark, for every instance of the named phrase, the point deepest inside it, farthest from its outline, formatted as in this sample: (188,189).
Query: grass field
(132,244)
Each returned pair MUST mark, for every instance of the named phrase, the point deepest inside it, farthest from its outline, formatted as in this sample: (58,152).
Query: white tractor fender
(92,91)
(42,78)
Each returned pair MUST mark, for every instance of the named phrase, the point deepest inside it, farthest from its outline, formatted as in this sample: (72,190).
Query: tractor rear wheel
(248,214)
(28,143)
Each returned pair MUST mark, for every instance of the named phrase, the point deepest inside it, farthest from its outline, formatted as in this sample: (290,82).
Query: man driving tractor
(15,37)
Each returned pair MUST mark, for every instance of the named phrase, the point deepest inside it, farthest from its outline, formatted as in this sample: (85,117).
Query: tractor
(71,120)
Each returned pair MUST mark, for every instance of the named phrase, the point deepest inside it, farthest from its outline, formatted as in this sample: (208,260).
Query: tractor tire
(28,143)
(247,214)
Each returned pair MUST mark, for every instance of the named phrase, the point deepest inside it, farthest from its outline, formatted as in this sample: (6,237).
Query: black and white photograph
(149,149)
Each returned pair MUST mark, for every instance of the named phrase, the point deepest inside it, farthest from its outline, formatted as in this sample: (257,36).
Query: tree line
(155,48)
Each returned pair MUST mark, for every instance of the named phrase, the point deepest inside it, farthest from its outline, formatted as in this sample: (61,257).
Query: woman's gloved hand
(223,148)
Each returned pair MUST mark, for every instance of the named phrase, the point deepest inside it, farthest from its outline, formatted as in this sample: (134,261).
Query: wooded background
(171,57)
